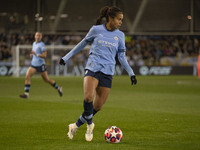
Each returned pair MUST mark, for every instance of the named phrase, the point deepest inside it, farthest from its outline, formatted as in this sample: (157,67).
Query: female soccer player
(106,41)
(38,55)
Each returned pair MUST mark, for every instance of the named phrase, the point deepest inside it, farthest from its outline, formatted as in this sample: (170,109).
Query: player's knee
(46,80)
(97,107)
(88,98)
(28,78)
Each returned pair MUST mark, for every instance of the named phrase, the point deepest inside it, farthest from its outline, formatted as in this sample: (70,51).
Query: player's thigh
(89,85)
(101,97)
(44,75)
(30,72)
(46,78)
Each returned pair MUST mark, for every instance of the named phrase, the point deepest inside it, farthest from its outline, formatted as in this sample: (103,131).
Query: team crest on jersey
(116,38)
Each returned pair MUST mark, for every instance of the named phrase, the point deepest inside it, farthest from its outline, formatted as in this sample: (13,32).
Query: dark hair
(107,11)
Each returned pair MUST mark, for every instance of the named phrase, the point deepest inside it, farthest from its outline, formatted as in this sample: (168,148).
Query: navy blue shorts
(42,68)
(104,79)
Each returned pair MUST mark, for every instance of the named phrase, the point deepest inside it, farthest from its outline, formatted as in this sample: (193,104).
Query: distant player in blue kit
(106,41)
(38,55)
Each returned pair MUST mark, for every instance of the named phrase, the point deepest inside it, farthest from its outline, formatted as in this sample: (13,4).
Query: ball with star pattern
(113,134)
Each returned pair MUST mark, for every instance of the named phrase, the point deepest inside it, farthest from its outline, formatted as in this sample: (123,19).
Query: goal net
(75,66)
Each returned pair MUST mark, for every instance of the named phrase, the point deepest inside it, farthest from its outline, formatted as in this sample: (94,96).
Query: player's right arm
(89,37)
(75,50)
(31,55)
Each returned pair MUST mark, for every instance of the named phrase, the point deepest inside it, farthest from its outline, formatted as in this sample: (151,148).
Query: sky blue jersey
(104,47)
(38,48)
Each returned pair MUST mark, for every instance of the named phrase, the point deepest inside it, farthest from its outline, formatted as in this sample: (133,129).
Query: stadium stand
(158,32)
(141,50)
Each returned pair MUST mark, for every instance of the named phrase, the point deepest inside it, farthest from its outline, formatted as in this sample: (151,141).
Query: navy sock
(94,111)
(27,87)
(88,109)
(81,120)
(55,85)
(86,115)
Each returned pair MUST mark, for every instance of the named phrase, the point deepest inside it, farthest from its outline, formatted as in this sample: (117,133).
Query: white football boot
(72,130)
(89,132)
(60,91)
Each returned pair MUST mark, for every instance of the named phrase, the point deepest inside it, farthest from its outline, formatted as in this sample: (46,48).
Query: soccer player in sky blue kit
(106,41)
(38,55)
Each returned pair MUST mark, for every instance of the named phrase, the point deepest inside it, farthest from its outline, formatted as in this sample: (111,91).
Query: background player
(106,41)
(38,55)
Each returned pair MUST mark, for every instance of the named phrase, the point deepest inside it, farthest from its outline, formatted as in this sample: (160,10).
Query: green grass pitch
(159,113)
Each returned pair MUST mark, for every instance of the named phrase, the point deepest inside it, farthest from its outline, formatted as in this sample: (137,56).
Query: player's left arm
(126,66)
(124,63)
(43,55)
(122,58)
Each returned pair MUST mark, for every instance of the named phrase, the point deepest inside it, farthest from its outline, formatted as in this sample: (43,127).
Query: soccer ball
(113,134)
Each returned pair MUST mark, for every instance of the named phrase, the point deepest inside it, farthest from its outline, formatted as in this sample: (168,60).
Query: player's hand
(33,53)
(133,80)
(31,56)
(62,62)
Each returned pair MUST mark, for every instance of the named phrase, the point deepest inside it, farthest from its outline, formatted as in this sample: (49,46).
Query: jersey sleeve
(88,38)
(76,49)
(122,47)
(91,34)
(124,63)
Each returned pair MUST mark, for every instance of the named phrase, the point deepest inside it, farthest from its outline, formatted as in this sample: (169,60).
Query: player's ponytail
(103,15)
(105,12)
